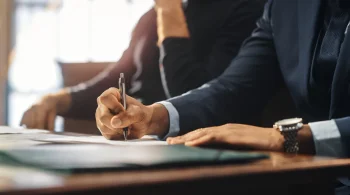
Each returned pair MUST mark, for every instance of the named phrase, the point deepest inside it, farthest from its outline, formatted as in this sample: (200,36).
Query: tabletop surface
(295,168)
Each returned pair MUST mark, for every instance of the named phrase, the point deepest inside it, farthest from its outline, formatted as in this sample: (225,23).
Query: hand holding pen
(115,119)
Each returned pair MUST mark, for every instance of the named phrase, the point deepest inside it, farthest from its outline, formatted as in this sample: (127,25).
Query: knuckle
(181,137)
(34,107)
(26,114)
(111,89)
(103,98)
(98,100)
(229,125)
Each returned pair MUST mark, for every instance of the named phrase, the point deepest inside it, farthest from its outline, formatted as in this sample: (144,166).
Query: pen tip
(125,138)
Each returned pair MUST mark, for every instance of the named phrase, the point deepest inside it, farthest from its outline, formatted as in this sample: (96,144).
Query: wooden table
(280,174)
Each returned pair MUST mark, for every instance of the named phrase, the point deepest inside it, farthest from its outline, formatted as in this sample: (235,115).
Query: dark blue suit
(280,50)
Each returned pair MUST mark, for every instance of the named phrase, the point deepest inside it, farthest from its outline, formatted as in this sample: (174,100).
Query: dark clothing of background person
(217,29)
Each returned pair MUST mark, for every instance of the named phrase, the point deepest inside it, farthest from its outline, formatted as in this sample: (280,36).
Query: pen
(123,100)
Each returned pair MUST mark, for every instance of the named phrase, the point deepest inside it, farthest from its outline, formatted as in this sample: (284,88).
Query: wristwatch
(289,129)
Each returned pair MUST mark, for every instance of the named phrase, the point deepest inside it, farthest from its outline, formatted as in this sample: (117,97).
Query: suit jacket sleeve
(84,95)
(344,130)
(180,65)
(241,92)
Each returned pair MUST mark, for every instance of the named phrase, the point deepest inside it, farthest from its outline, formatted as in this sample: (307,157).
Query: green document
(94,157)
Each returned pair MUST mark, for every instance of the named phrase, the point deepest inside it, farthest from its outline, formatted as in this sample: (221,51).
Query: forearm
(62,99)
(171,20)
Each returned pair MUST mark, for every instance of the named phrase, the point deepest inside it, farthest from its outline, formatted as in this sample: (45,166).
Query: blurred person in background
(175,47)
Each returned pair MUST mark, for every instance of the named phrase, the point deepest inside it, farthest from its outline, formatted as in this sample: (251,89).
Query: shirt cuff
(174,126)
(327,139)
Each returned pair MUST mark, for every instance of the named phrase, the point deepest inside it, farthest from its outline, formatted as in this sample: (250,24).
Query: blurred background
(58,38)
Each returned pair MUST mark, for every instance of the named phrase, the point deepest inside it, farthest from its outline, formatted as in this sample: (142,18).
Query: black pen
(123,100)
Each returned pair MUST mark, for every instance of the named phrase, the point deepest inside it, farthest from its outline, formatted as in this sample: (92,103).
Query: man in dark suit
(302,43)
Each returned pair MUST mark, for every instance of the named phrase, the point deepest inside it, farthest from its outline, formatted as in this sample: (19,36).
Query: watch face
(289,121)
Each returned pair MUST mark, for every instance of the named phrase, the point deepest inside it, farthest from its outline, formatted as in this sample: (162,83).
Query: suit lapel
(308,11)
(340,80)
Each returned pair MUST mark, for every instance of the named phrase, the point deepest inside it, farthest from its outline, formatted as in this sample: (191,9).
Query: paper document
(11,130)
(146,140)
(11,137)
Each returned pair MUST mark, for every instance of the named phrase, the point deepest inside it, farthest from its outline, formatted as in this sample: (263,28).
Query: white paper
(13,137)
(146,140)
(11,130)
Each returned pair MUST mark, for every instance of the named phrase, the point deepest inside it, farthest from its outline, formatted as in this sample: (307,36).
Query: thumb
(134,114)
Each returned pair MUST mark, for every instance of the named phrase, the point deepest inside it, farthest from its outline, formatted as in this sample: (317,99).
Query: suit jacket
(280,50)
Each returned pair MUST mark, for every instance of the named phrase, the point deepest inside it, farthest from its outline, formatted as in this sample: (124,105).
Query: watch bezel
(288,122)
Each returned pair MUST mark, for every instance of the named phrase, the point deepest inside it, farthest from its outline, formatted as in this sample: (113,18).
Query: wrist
(306,142)
(60,100)
(168,5)
(159,122)
(171,21)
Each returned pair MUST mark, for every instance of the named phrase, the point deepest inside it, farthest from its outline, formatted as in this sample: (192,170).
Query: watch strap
(290,134)
(291,144)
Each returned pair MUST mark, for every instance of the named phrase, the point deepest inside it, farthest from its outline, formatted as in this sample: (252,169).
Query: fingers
(111,99)
(205,140)
(133,114)
(105,130)
(51,120)
(104,116)
(40,119)
(111,125)
(111,117)
(110,133)
(27,120)
(188,137)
